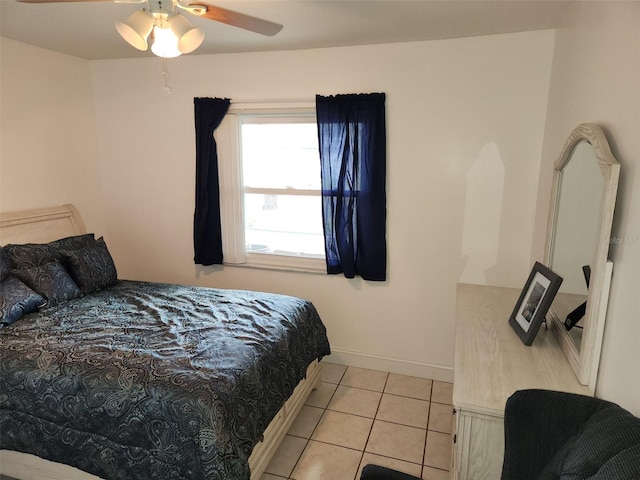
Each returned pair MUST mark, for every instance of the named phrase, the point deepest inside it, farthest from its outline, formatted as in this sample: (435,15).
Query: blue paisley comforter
(154,381)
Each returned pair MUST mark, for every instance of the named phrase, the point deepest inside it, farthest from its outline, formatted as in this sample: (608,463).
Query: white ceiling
(87,30)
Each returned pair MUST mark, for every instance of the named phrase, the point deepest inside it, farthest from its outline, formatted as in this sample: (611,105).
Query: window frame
(232,190)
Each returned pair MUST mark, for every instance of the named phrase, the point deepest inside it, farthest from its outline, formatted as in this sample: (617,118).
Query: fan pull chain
(165,76)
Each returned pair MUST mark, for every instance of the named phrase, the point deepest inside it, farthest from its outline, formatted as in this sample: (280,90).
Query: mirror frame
(585,360)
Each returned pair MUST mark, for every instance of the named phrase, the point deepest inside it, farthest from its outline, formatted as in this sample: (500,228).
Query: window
(270,188)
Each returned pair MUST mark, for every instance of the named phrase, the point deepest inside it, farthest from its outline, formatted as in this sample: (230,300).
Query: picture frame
(534,302)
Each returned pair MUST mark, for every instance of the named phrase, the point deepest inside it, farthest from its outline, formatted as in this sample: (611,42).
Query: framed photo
(535,299)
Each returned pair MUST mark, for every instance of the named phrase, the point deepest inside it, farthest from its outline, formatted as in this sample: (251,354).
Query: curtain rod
(274,100)
(265,105)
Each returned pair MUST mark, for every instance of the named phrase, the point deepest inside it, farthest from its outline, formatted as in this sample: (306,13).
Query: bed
(140,380)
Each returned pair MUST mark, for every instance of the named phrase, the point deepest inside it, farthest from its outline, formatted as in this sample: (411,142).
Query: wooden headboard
(40,226)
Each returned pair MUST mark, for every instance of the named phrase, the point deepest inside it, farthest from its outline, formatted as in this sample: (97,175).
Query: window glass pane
(284,224)
(281,155)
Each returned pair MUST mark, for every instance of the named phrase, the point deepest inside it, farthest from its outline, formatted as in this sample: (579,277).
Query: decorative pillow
(30,254)
(16,300)
(73,243)
(51,281)
(5,265)
(92,266)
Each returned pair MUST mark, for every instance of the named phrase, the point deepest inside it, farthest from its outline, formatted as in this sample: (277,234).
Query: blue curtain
(353,151)
(207,231)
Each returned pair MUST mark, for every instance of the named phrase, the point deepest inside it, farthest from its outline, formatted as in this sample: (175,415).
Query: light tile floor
(361,416)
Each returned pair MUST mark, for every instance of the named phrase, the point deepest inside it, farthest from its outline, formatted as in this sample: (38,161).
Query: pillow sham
(37,254)
(51,281)
(91,266)
(30,254)
(16,300)
(73,243)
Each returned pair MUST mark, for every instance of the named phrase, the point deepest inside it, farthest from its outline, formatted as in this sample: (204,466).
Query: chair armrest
(376,472)
(537,423)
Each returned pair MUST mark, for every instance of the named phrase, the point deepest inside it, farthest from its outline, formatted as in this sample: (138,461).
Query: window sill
(287,263)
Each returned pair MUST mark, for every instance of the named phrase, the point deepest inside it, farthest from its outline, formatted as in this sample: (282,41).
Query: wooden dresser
(491,363)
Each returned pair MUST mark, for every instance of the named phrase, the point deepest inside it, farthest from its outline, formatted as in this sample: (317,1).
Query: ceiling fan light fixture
(136,29)
(169,33)
(189,37)
(165,42)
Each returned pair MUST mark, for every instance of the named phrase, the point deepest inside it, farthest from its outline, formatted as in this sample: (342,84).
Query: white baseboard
(393,365)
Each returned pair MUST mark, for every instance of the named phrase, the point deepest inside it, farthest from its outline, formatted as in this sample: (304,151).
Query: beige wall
(465,117)
(466,120)
(596,78)
(48,153)
(465,129)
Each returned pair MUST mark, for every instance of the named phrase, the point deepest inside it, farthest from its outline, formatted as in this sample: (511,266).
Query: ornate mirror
(583,199)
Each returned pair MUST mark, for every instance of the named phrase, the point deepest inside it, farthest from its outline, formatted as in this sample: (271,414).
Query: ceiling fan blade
(60,1)
(235,19)
(80,1)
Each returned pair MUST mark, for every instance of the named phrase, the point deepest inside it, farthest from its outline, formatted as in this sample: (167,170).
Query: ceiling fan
(170,33)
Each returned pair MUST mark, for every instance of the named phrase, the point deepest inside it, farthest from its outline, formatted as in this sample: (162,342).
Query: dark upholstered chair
(376,472)
(553,435)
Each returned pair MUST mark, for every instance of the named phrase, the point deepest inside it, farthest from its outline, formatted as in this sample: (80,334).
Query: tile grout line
(373,421)
(308,440)
(426,433)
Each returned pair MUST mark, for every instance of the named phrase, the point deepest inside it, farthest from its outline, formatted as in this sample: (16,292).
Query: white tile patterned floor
(361,416)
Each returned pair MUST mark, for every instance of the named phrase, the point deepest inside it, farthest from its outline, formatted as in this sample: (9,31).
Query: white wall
(596,78)
(465,126)
(48,153)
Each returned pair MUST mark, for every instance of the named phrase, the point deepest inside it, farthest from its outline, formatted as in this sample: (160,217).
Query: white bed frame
(47,224)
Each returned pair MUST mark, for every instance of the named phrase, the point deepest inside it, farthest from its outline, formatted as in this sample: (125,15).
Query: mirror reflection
(576,235)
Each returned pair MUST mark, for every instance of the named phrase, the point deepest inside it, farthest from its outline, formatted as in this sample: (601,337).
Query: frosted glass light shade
(189,37)
(165,43)
(136,29)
